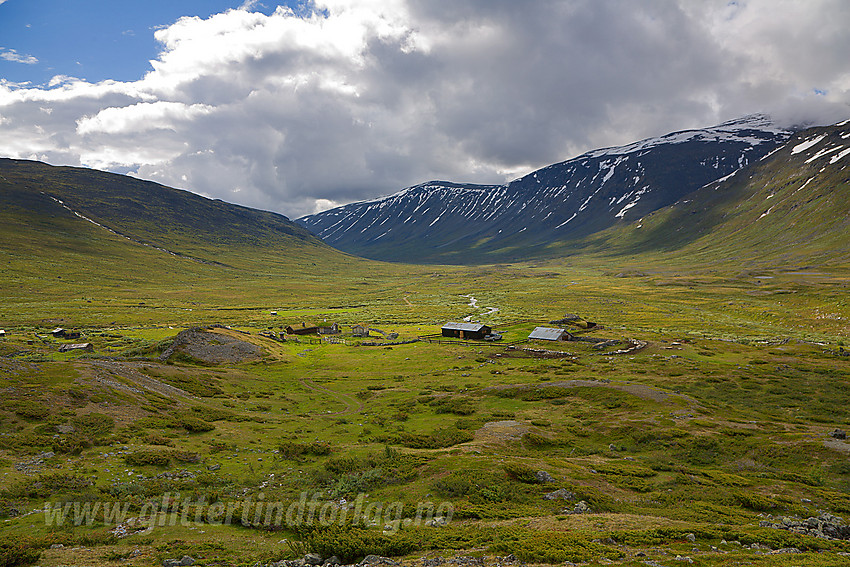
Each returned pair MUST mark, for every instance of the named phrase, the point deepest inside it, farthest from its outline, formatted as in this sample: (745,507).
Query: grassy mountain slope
(790,209)
(180,222)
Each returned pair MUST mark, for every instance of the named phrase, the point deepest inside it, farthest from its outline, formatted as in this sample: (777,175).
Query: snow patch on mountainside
(739,130)
(802,147)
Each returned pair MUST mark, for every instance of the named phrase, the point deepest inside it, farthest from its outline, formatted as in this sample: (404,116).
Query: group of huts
(357,331)
(478,331)
(67,335)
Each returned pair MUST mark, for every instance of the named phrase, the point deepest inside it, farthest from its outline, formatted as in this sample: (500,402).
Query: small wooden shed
(475,331)
(549,334)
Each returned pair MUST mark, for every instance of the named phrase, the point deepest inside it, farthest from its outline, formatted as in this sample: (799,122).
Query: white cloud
(297,113)
(15,57)
(140,117)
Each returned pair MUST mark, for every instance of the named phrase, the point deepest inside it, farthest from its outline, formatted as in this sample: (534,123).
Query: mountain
(458,223)
(65,223)
(791,208)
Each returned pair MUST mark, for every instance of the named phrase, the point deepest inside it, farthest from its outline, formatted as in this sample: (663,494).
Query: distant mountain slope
(458,223)
(59,200)
(790,208)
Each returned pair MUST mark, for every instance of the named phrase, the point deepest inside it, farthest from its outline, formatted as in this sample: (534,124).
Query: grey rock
(214,467)
(334,560)
(839,434)
(313,559)
(824,526)
(581,508)
(691,538)
(377,560)
(543,476)
(185,561)
(560,494)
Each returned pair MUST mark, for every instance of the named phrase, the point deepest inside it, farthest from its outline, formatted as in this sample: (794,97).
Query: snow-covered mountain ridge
(453,222)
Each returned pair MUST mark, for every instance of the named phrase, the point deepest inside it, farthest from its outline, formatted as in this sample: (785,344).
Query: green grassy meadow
(720,423)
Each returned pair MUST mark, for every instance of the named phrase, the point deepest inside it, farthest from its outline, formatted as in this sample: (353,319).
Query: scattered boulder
(543,476)
(824,526)
(377,560)
(185,561)
(560,494)
(313,559)
(580,508)
(691,538)
(839,434)
(214,467)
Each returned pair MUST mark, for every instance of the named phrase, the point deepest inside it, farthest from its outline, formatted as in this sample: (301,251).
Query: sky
(299,107)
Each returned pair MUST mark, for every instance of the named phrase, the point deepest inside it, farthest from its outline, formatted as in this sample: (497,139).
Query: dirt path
(353,405)
(407,300)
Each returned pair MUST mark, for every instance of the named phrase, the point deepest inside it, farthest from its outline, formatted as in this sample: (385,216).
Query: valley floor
(718,442)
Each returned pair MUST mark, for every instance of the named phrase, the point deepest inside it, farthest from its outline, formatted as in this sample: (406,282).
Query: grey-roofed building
(81,346)
(466,330)
(549,334)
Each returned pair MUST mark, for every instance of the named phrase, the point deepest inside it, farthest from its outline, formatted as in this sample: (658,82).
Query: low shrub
(753,501)
(29,409)
(438,439)
(186,456)
(212,414)
(554,547)
(351,544)
(536,441)
(623,469)
(195,425)
(457,406)
(49,485)
(520,473)
(144,457)
(19,550)
(159,440)
(294,449)
(94,425)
